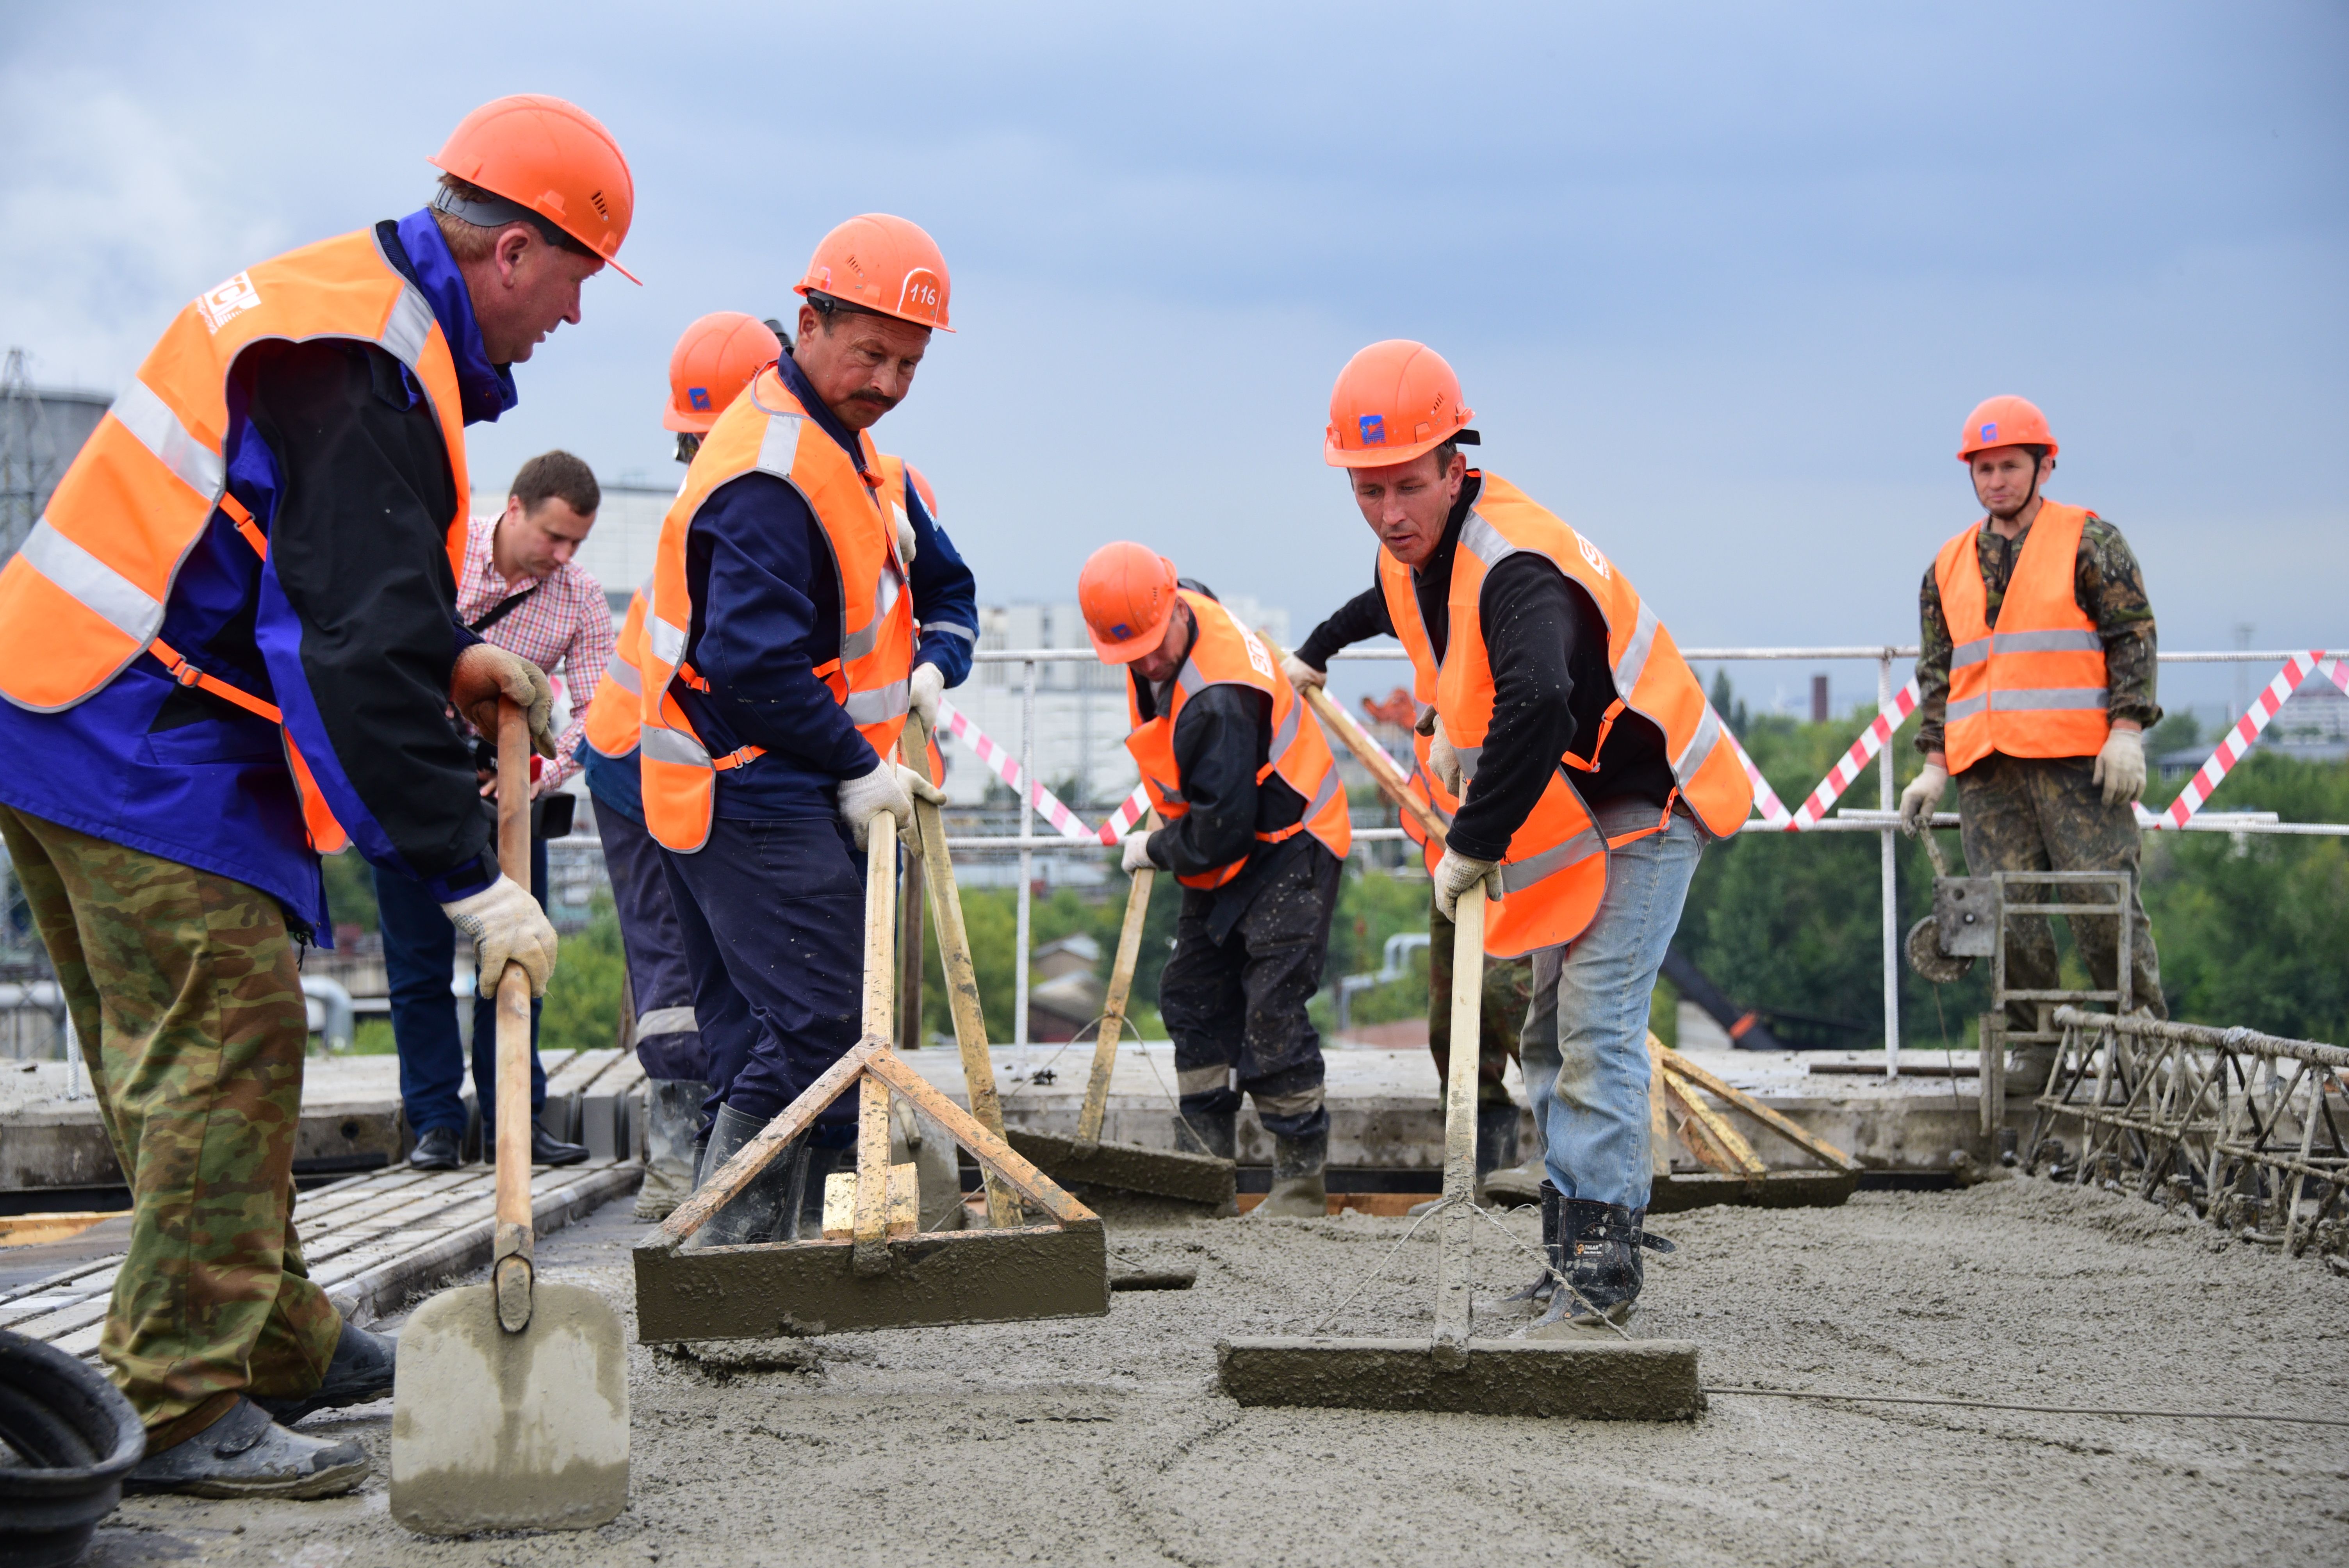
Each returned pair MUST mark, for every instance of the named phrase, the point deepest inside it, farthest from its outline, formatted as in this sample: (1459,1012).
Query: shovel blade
(491,1430)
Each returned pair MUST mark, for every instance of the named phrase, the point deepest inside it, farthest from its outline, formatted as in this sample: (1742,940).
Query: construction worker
(781,654)
(2036,678)
(1507,981)
(711,364)
(231,642)
(1588,768)
(1256,832)
(520,589)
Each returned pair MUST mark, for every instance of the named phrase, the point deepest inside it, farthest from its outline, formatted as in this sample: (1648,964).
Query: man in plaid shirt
(522,591)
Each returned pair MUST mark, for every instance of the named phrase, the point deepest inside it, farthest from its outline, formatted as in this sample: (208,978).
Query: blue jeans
(1585,1045)
(420,953)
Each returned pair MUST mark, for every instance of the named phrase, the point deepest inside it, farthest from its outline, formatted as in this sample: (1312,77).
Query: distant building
(41,429)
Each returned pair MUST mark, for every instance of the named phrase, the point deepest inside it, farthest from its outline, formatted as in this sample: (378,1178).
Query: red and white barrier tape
(1871,741)
(1765,799)
(2239,738)
(1121,820)
(1004,765)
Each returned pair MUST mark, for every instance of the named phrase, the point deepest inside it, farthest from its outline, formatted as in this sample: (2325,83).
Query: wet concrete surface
(1105,1440)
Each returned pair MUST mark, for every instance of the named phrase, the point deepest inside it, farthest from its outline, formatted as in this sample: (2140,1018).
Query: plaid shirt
(567,622)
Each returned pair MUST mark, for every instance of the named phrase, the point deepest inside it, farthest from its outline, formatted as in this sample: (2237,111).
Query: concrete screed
(1104,1440)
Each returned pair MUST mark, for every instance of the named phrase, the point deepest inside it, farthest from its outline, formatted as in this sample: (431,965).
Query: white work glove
(1923,797)
(1444,762)
(2120,767)
(483,673)
(1137,855)
(906,540)
(1455,873)
(891,787)
(506,924)
(928,684)
(1301,674)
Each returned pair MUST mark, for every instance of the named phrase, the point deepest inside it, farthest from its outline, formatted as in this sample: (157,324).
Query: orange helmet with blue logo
(1393,401)
(2005,420)
(1125,592)
(710,366)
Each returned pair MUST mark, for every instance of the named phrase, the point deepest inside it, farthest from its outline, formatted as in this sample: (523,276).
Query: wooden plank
(1702,1131)
(1456,1282)
(871,1225)
(1716,1126)
(905,1203)
(1120,986)
(754,1156)
(580,1071)
(1800,1136)
(992,1152)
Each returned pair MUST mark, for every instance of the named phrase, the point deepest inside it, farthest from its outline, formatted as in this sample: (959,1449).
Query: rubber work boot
(757,1211)
(1497,1142)
(672,1117)
(437,1149)
(1601,1244)
(2027,1071)
(247,1454)
(1519,1183)
(359,1372)
(1544,1284)
(1298,1190)
(1197,1132)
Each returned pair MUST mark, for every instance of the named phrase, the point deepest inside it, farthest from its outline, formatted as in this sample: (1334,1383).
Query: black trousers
(1235,1008)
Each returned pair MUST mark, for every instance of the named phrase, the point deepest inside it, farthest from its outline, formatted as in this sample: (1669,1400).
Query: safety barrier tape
(1863,750)
(1122,819)
(2240,736)
(1765,799)
(1006,766)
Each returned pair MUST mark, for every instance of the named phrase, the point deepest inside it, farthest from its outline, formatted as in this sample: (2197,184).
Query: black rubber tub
(74,1438)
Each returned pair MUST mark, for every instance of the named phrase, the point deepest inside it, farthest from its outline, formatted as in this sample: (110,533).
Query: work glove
(2120,767)
(506,924)
(906,542)
(928,684)
(1301,674)
(1923,797)
(1455,873)
(1445,763)
(485,672)
(1137,855)
(891,787)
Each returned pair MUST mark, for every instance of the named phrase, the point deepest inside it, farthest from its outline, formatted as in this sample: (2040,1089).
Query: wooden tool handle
(1391,778)
(872,1211)
(1454,1288)
(513,1243)
(1121,985)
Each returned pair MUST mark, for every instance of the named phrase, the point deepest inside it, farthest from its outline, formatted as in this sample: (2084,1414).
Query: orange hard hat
(2005,421)
(886,264)
(1126,592)
(710,366)
(1393,401)
(549,159)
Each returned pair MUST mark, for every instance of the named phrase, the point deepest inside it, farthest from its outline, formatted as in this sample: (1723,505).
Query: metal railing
(1883,821)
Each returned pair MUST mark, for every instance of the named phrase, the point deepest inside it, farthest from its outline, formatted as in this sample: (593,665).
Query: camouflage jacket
(2107,586)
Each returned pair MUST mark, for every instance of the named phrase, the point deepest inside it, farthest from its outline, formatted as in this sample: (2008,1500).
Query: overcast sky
(1720,281)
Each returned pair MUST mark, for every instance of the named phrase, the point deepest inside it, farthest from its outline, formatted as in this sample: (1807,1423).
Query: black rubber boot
(245,1454)
(672,1119)
(1300,1190)
(1197,1132)
(804,1220)
(756,1213)
(1496,1141)
(1602,1247)
(360,1371)
(1542,1284)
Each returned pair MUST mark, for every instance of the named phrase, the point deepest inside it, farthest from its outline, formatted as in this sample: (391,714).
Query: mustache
(882,400)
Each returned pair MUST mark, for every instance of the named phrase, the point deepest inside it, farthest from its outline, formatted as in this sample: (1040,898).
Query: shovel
(1128,1168)
(509,1410)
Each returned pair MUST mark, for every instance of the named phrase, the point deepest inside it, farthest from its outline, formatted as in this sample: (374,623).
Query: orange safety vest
(766,429)
(84,594)
(1554,874)
(2037,687)
(617,710)
(1225,653)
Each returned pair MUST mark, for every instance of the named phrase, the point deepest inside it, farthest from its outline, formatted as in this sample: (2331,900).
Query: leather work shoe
(360,1372)
(437,1149)
(545,1149)
(245,1454)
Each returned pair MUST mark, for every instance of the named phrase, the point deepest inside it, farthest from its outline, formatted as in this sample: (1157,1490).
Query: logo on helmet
(1989,432)
(1373,427)
(699,398)
(1121,632)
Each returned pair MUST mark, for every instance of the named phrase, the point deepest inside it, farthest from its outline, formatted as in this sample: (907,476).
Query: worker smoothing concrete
(1256,832)
(229,645)
(780,656)
(520,589)
(2035,677)
(1589,771)
(711,364)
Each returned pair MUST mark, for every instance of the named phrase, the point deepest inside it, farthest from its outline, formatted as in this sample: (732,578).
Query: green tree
(582,1010)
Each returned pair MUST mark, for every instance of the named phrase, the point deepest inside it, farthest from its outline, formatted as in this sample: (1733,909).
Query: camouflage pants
(2043,814)
(188,1007)
(1508,985)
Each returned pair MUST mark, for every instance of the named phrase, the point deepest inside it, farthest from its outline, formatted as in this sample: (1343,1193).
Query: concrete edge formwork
(1154,1172)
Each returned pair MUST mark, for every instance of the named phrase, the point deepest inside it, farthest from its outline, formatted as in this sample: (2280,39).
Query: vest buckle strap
(742,756)
(187,675)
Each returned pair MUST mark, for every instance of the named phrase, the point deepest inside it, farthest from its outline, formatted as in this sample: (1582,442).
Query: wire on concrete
(2034,1409)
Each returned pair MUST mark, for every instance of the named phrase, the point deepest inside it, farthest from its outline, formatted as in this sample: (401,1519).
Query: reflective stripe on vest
(615,710)
(766,430)
(1225,653)
(2035,687)
(1554,873)
(86,594)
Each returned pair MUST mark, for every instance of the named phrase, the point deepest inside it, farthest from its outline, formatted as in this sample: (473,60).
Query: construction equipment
(1127,1167)
(882,1272)
(1609,1376)
(1736,1174)
(511,1406)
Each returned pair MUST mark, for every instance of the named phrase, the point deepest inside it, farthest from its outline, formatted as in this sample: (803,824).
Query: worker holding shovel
(1589,770)
(1256,832)
(231,646)
(804,601)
